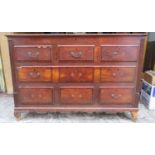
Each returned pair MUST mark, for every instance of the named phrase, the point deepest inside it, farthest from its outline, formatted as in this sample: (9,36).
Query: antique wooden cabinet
(72,73)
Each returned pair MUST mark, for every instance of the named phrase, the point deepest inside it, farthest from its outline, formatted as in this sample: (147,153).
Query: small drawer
(76,96)
(118,74)
(35,96)
(76,54)
(36,53)
(119,53)
(78,74)
(116,95)
(34,74)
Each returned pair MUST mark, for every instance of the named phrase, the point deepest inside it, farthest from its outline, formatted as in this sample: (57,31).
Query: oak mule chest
(77,72)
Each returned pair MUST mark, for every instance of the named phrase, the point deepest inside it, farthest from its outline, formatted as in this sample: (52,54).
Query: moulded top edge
(57,35)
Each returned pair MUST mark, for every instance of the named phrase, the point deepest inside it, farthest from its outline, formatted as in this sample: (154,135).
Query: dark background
(150,52)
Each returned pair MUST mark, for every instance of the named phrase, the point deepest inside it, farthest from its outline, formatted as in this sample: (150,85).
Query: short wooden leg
(17,115)
(134,115)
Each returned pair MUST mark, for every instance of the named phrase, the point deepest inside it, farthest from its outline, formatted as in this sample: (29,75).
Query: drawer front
(35,74)
(78,74)
(118,74)
(116,95)
(76,54)
(33,53)
(119,53)
(75,96)
(35,96)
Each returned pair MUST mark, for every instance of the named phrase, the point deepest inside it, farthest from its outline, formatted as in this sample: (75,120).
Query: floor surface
(7,106)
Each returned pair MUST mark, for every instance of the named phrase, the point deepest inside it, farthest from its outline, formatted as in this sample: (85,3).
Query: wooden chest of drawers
(72,73)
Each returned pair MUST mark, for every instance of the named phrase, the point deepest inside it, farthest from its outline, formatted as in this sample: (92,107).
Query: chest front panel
(76,72)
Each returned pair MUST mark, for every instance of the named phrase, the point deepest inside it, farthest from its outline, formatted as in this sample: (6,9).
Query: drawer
(76,96)
(118,74)
(34,74)
(76,54)
(35,96)
(119,53)
(116,95)
(35,53)
(78,74)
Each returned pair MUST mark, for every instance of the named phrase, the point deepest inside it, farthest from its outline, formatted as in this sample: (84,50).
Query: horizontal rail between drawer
(80,85)
(136,45)
(41,45)
(78,66)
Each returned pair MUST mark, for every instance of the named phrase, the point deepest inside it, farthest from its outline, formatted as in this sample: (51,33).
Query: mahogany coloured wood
(78,96)
(119,53)
(35,74)
(33,53)
(76,53)
(116,95)
(76,74)
(118,74)
(35,96)
(72,73)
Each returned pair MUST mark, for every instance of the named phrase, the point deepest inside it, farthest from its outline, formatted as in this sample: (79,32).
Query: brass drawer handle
(72,75)
(80,95)
(76,54)
(116,96)
(121,74)
(80,74)
(72,95)
(32,96)
(34,75)
(114,74)
(33,55)
(115,53)
(75,96)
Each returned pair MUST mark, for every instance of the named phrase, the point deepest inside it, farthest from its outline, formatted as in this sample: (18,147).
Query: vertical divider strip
(97,73)
(55,69)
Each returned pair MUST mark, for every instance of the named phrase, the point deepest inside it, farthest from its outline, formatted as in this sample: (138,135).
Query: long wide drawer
(76,74)
(76,95)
